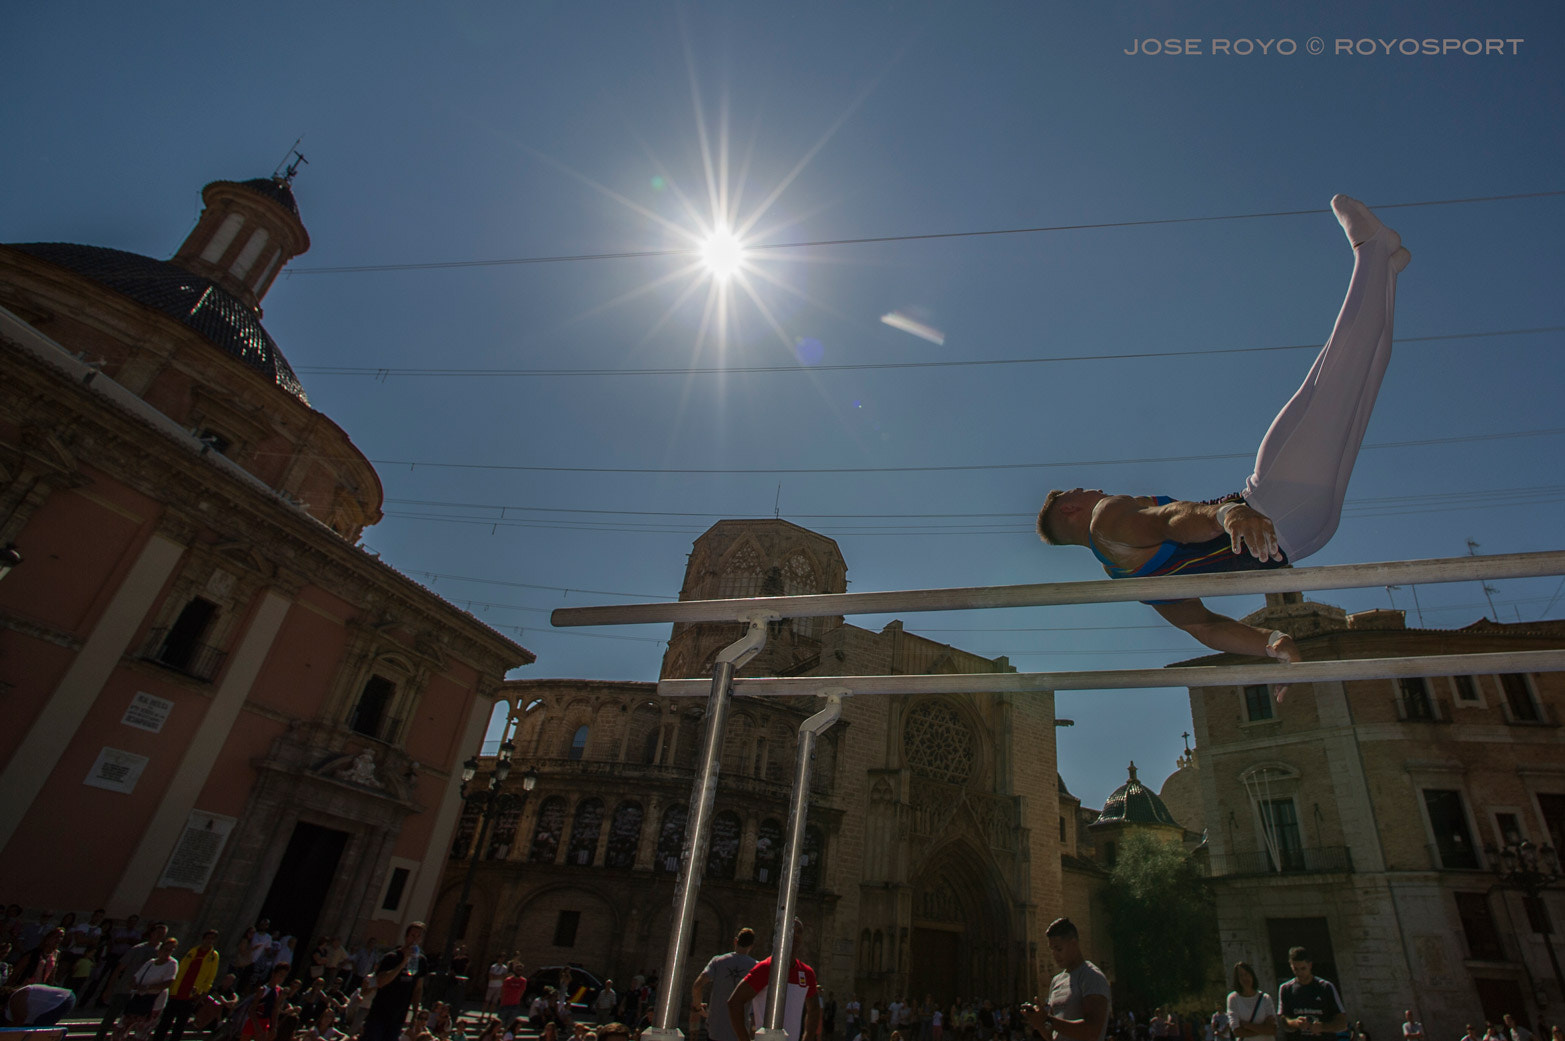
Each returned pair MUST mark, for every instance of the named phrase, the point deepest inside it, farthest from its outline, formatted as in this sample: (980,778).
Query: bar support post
(788,890)
(698,825)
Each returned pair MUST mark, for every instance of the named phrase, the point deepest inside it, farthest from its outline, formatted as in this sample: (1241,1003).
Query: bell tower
(744,558)
(246,233)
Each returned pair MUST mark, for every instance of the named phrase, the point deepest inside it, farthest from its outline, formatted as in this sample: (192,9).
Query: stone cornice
(128,448)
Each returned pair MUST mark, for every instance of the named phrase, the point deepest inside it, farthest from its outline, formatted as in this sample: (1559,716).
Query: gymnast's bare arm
(1139,523)
(1222,633)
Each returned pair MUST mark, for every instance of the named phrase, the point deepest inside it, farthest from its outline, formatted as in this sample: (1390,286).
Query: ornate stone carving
(938,743)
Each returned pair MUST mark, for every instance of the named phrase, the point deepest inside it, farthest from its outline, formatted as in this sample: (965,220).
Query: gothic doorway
(961,928)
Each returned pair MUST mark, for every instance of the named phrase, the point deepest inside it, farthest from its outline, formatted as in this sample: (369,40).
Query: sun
(722,253)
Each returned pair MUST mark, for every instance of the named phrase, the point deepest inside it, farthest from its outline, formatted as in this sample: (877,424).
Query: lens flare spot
(809,350)
(658,184)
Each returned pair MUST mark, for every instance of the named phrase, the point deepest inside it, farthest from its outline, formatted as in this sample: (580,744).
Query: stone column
(744,871)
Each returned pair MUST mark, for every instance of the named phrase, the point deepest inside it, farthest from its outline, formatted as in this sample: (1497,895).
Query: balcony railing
(613,768)
(1313,861)
(196,660)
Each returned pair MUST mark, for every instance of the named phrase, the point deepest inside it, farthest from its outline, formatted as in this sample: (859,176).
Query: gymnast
(1291,504)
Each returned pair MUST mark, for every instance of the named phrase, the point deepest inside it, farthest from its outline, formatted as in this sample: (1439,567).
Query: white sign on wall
(196,853)
(147,712)
(116,771)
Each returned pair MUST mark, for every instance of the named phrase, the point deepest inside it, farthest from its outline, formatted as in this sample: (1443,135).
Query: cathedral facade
(932,855)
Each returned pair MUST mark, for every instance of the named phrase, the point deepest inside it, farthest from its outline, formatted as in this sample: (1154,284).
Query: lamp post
(489,800)
(1530,870)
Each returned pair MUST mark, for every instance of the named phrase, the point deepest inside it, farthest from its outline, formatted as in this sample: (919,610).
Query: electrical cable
(690,251)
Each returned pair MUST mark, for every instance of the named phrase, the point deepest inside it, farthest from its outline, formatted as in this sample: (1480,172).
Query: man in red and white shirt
(801,1009)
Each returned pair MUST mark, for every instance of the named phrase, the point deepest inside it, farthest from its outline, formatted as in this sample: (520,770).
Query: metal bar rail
(1114,679)
(1047,594)
(757,612)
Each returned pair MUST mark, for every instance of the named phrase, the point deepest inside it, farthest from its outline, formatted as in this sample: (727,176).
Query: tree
(1163,920)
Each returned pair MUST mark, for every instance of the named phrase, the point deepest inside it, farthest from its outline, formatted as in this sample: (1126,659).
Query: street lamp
(489,800)
(1530,870)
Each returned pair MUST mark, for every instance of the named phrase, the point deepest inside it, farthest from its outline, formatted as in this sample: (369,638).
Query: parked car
(584,987)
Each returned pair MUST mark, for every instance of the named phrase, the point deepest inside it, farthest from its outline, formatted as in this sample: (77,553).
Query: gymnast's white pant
(1304,463)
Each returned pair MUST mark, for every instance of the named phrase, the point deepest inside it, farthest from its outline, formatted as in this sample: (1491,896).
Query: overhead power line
(415,463)
(385,371)
(637,254)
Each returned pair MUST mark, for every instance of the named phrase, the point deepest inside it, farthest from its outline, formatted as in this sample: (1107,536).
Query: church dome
(196,302)
(275,189)
(1134,803)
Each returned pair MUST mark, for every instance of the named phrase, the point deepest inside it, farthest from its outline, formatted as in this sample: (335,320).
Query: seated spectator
(419,1026)
(440,1020)
(217,1004)
(324,1028)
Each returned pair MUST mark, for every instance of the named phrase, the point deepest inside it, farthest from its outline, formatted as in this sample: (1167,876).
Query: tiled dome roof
(1134,803)
(274,189)
(197,302)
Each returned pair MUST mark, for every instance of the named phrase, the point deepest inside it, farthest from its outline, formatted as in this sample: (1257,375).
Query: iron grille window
(768,850)
(723,851)
(1281,818)
(584,832)
(671,840)
(624,836)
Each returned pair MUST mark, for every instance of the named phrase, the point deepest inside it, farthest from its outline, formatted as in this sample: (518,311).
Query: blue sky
(477,131)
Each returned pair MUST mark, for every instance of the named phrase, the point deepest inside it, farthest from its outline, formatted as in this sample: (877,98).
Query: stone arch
(961,925)
(714,930)
(741,570)
(641,744)
(482,906)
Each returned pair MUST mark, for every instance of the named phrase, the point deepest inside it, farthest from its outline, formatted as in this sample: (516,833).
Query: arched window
(578,743)
(811,862)
(584,832)
(671,839)
(798,579)
(624,836)
(546,836)
(768,850)
(723,851)
(742,573)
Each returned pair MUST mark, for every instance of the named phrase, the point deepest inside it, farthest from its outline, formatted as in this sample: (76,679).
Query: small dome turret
(246,233)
